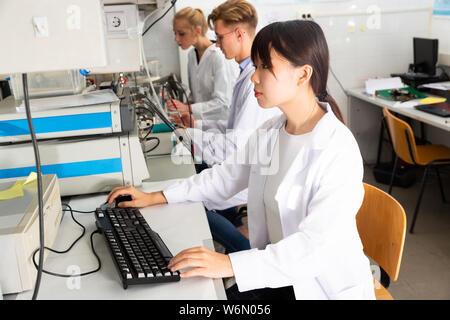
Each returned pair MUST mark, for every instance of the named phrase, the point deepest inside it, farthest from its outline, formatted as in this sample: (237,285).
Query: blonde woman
(211,75)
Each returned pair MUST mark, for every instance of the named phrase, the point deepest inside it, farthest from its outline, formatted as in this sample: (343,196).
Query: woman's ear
(198,30)
(304,74)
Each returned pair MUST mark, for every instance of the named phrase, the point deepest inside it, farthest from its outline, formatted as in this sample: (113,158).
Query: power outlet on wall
(116,21)
(305,13)
(121,21)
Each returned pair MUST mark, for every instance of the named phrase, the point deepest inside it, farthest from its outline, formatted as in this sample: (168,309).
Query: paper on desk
(373,85)
(438,85)
(32,177)
(16,191)
(431,100)
(406,104)
(90,98)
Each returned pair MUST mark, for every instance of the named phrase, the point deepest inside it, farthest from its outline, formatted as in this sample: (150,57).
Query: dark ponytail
(325,97)
(301,42)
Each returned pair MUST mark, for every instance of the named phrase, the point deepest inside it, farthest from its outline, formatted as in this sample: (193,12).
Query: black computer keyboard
(139,253)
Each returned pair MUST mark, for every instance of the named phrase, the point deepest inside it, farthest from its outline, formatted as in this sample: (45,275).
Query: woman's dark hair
(301,42)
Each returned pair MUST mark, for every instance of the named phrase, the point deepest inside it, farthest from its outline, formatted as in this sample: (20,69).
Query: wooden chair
(381,223)
(428,155)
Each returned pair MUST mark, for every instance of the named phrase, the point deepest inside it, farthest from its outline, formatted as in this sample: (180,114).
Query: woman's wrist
(157,198)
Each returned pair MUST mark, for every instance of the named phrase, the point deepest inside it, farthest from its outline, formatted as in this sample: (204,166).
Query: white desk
(181,226)
(364,120)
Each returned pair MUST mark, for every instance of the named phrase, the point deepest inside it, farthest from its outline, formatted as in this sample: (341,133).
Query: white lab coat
(211,83)
(215,140)
(321,253)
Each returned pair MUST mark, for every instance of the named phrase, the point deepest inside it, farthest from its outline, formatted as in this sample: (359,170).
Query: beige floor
(425,269)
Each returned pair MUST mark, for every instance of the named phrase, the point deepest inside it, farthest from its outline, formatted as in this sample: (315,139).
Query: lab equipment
(52,36)
(92,146)
(47,84)
(19,232)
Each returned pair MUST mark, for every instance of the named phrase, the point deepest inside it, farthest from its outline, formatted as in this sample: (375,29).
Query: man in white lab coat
(234,23)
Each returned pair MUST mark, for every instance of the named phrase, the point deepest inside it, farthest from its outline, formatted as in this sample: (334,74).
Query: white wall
(362,44)
(366,38)
(159,42)
(359,46)
(440,29)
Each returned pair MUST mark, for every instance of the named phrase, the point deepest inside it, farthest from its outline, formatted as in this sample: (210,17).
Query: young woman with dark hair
(302,204)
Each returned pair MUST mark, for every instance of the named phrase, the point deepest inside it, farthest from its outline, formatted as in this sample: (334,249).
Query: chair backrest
(381,223)
(397,129)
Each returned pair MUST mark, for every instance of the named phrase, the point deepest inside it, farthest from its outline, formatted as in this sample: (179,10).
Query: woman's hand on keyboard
(139,198)
(206,263)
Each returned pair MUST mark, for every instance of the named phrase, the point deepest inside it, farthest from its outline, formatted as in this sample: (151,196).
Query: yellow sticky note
(14,192)
(431,100)
(32,177)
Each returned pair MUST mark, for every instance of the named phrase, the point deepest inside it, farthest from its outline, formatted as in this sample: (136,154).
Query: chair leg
(422,188)
(394,171)
(385,280)
(440,184)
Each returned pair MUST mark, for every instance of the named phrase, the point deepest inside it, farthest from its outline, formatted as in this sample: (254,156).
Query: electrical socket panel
(122,43)
(116,21)
(121,21)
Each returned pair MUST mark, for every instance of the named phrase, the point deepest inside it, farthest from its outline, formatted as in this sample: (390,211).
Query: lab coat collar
(208,50)
(250,68)
(320,136)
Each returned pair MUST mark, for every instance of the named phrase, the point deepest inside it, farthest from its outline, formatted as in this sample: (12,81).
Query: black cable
(156,146)
(149,103)
(70,247)
(187,101)
(173,3)
(151,127)
(190,112)
(179,98)
(335,77)
(77,211)
(39,185)
(149,131)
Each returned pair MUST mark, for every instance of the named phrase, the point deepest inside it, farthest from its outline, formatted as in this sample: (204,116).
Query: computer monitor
(425,55)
